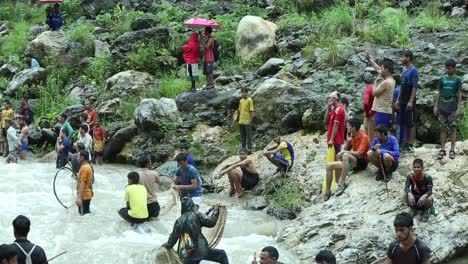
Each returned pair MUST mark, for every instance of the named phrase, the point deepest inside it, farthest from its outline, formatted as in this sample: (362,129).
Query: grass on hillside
(13,45)
(389,27)
(463,127)
(431,19)
(287,194)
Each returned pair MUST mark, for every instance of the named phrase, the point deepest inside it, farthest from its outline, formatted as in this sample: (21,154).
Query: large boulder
(56,44)
(270,67)
(255,36)
(25,77)
(130,82)
(118,140)
(188,101)
(282,104)
(125,44)
(108,110)
(156,115)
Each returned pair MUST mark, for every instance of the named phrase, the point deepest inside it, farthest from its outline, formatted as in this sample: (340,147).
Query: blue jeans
(215,255)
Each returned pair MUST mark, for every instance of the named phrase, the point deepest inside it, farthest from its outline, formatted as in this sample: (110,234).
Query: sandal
(452,154)
(441,154)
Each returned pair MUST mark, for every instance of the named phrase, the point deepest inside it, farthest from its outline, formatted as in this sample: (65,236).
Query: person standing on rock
(208,56)
(245,116)
(84,184)
(99,139)
(24,138)
(400,132)
(62,119)
(184,148)
(335,116)
(407,99)
(384,153)
(191,51)
(91,115)
(187,180)
(407,249)
(242,174)
(150,179)
(418,190)
(269,255)
(368,98)
(325,257)
(448,107)
(285,159)
(383,92)
(7,114)
(13,142)
(355,153)
(63,148)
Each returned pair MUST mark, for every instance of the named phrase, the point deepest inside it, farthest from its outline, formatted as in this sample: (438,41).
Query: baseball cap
(335,94)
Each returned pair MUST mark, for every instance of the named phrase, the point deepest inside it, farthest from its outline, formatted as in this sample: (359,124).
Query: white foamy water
(103,237)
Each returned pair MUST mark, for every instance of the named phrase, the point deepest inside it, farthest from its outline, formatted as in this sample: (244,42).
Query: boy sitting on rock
(418,190)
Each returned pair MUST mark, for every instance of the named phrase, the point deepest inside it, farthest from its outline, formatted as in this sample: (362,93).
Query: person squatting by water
(136,210)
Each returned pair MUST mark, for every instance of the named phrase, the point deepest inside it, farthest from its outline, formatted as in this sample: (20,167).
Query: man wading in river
(85,184)
(193,246)
(407,249)
(26,250)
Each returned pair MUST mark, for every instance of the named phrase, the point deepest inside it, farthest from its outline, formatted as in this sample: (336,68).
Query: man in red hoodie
(369,115)
(191,50)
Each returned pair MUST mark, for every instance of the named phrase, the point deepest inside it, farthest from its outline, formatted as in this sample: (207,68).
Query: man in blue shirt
(407,99)
(187,180)
(384,151)
(62,147)
(184,148)
(32,61)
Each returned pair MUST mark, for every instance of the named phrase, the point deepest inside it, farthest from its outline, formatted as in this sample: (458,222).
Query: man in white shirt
(13,142)
(85,138)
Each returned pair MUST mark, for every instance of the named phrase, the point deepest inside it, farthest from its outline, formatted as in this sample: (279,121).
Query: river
(103,237)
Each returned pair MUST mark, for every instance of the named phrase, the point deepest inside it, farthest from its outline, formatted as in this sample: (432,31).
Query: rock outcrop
(156,115)
(255,36)
(26,77)
(130,83)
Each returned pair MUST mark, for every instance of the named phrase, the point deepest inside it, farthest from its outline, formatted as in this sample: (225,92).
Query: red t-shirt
(337,115)
(92,116)
(368,101)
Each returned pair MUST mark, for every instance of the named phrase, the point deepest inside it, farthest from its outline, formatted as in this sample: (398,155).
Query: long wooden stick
(384,175)
(56,256)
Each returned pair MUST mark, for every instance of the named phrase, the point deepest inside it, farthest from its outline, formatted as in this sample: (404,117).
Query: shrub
(288,195)
(286,20)
(171,86)
(142,58)
(463,127)
(71,10)
(390,27)
(430,19)
(14,43)
(101,69)
(83,33)
(337,21)
(104,20)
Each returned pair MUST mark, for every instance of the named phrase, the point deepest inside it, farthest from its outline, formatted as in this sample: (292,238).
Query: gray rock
(100,30)
(168,168)
(26,77)
(256,203)
(8,70)
(224,80)
(458,12)
(36,30)
(85,63)
(189,101)
(464,60)
(73,114)
(465,78)
(255,36)
(156,114)
(147,146)
(101,49)
(143,23)
(226,100)
(282,213)
(447,6)
(118,140)
(108,109)
(130,82)
(124,44)
(166,183)
(270,67)
(285,76)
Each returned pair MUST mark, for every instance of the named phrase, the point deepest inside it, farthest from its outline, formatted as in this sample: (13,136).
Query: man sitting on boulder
(418,190)
(285,159)
(384,153)
(54,18)
(355,153)
(242,174)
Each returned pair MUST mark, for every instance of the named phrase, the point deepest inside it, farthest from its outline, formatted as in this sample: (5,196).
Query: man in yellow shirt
(285,159)
(85,184)
(7,114)
(136,211)
(245,117)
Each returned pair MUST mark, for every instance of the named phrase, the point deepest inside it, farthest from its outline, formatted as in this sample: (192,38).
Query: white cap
(335,94)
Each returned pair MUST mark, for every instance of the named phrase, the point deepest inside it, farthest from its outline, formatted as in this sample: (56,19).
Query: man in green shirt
(62,119)
(448,107)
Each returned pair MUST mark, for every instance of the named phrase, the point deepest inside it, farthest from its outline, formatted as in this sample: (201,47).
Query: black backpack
(216,50)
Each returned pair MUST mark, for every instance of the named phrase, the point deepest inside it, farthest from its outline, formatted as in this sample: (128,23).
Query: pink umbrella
(50,1)
(201,23)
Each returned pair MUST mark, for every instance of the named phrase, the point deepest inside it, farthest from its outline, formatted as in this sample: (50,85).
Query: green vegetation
(171,86)
(14,43)
(83,33)
(287,194)
(71,10)
(337,21)
(389,27)
(463,127)
(430,19)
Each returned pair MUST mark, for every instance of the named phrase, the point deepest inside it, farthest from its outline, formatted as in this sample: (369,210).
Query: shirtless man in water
(242,174)
(24,138)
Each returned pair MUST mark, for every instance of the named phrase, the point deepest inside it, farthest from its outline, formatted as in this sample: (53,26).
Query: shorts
(393,167)
(337,148)
(407,118)
(4,133)
(123,212)
(283,162)
(249,180)
(61,162)
(197,200)
(448,119)
(207,68)
(99,154)
(361,165)
(84,208)
(153,209)
(192,72)
(24,145)
(383,119)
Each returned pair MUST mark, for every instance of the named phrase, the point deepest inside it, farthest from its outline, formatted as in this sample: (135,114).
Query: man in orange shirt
(91,113)
(85,184)
(355,153)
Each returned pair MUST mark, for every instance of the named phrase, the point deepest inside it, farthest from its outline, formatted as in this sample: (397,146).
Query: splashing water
(103,237)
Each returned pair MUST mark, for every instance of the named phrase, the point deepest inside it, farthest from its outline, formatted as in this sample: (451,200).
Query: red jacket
(368,101)
(191,50)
